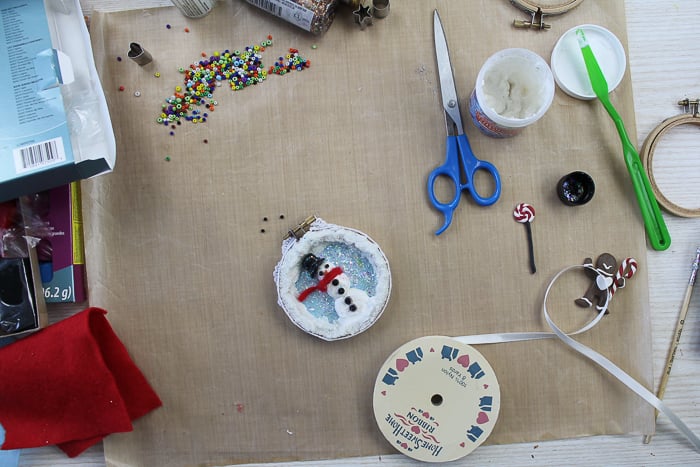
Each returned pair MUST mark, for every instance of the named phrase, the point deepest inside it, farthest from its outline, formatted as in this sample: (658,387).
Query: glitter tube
(194,8)
(315,16)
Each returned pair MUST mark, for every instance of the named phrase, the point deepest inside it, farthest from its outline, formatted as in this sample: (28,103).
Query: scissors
(460,162)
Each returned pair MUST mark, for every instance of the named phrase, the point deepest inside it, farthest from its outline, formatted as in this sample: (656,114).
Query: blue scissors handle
(459,155)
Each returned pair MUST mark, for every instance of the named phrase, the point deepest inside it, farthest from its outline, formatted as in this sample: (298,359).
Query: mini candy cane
(525,213)
(626,270)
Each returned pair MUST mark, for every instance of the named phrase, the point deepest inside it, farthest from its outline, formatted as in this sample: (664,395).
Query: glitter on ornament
(354,264)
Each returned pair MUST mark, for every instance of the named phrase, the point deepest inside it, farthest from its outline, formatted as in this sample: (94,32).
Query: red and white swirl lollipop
(525,214)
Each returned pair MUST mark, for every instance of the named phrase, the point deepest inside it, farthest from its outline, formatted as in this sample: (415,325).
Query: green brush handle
(654,224)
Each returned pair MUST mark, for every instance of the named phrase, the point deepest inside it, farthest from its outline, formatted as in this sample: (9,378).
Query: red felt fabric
(70,384)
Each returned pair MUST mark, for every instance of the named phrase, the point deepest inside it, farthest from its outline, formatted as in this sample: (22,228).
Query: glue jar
(514,89)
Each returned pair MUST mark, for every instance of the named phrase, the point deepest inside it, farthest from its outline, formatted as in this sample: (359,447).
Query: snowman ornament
(333,282)
(348,301)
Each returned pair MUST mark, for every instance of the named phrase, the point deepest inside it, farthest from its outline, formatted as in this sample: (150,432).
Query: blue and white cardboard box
(56,127)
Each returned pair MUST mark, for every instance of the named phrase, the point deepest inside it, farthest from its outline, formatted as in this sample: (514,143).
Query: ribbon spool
(647,155)
(436,399)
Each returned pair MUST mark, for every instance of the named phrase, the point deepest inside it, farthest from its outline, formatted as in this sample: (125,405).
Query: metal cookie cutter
(380,8)
(363,16)
(538,12)
(139,54)
(365,11)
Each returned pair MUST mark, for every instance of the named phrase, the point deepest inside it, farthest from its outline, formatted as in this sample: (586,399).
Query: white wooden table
(663,53)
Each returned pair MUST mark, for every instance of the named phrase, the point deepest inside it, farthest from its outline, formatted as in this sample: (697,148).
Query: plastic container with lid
(514,89)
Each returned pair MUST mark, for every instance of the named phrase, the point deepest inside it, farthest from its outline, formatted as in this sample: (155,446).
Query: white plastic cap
(568,67)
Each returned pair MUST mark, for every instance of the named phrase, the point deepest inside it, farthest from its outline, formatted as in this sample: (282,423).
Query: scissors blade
(450,102)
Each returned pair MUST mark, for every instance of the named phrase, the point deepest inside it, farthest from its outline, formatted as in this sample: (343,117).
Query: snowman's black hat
(310,263)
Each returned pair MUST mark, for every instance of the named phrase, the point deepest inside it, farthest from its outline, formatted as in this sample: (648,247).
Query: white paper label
(288,11)
(39,155)
(194,8)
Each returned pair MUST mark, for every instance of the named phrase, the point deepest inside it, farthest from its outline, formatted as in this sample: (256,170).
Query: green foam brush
(653,220)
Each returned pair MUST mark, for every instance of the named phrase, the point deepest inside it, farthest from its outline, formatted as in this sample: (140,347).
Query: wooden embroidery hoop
(539,11)
(692,117)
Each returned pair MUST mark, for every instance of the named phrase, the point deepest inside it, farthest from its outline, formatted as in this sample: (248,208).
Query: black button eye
(353,308)
(348,300)
(336,282)
(341,291)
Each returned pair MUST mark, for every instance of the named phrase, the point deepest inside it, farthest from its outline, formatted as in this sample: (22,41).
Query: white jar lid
(569,69)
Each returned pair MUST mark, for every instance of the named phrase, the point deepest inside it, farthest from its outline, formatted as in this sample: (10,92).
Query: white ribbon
(599,359)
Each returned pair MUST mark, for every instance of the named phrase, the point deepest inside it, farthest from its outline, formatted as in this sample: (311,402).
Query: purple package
(61,254)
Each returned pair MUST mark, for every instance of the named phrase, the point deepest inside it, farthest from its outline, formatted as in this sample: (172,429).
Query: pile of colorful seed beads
(239,69)
(291,61)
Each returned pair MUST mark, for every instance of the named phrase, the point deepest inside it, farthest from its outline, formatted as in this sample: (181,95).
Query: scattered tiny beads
(291,61)
(238,69)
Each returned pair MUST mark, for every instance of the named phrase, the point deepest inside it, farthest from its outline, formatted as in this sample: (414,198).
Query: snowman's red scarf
(322,284)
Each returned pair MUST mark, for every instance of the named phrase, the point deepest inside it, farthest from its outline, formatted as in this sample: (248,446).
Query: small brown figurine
(597,293)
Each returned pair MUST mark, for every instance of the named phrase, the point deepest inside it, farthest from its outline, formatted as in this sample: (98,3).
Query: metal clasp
(536,21)
(300,229)
(690,106)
